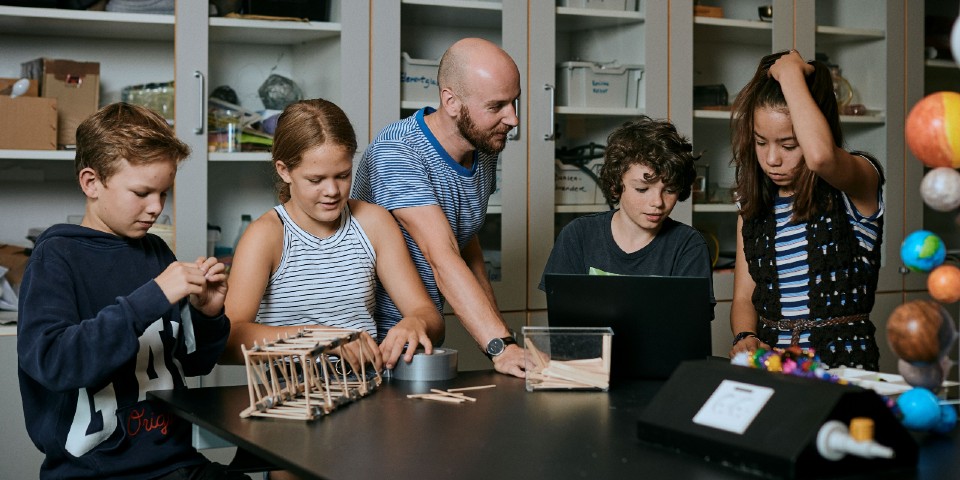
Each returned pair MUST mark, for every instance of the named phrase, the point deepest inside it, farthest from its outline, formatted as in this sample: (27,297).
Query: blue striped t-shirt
(405,166)
(322,281)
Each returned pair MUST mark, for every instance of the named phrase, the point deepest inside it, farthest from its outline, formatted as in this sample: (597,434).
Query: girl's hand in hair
(790,62)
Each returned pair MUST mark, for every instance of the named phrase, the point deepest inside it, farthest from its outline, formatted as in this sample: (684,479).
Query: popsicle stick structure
(295,378)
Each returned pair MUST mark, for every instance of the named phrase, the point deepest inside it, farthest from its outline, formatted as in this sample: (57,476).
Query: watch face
(495,347)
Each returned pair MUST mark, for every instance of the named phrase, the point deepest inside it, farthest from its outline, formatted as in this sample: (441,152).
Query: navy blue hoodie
(95,333)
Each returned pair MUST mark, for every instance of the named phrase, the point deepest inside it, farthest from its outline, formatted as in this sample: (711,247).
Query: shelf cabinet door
(192,75)
(583,55)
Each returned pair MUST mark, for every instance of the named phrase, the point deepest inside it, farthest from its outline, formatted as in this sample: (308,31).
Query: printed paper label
(733,406)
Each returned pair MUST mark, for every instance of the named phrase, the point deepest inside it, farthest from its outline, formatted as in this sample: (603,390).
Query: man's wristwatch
(496,346)
(742,335)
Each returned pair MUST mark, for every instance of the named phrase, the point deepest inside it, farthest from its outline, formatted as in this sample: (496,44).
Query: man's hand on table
(510,362)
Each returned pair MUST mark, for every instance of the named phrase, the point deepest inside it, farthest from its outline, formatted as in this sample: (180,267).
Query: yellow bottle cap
(861,429)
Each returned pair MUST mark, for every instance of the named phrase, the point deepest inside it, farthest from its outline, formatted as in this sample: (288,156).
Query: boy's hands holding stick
(205,281)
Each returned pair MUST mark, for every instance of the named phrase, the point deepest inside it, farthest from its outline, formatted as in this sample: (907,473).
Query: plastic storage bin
(600,4)
(565,358)
(591,84)
(418,79)
(572,186)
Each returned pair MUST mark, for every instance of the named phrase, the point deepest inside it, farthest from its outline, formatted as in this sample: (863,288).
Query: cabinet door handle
(203,104)
(552,135)
(514,132)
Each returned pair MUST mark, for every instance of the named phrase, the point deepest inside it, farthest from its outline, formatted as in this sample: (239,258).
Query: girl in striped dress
(315,258)
(811,219)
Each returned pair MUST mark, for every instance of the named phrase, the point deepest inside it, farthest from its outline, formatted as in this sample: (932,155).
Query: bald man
(434,171)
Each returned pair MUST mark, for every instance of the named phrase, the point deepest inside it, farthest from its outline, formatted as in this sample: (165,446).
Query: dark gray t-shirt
(678,250)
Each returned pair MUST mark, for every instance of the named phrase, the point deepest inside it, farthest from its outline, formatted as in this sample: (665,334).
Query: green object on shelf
(253,138)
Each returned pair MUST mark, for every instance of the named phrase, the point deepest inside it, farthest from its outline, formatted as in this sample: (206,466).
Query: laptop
(657,322)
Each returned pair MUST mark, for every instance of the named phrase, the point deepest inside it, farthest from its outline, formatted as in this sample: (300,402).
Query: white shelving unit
(139,48)
(37,187)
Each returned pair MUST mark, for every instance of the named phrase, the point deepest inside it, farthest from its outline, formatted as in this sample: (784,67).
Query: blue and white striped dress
(405,166)
(322,281)
(792,266)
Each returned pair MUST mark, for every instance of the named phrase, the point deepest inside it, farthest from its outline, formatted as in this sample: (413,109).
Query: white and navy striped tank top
(792,266)
(322,281)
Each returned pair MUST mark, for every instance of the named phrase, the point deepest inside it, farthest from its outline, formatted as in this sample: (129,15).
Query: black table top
(507,433)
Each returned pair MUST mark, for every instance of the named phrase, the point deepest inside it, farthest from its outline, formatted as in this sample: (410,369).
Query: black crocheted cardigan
(832,246)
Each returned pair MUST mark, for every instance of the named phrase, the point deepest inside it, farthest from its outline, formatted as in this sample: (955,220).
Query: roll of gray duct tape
(440,365)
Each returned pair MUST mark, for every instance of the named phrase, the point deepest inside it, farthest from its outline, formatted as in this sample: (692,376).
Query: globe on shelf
(944,284)
(940,189)
(922,250)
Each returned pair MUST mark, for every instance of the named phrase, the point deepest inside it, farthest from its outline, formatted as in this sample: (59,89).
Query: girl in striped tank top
(315,259)
(811,219)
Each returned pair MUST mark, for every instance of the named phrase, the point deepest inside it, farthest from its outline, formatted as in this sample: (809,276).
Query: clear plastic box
(567,358)
(592,84)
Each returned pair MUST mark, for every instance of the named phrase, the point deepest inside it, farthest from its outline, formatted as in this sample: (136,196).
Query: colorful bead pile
(790,361)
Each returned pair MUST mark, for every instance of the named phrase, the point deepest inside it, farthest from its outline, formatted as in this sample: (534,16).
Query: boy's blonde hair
(121,131)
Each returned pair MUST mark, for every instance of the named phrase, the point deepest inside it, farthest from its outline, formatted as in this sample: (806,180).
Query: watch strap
(742,335)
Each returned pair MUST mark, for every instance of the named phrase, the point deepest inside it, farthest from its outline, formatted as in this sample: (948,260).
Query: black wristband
(742,335)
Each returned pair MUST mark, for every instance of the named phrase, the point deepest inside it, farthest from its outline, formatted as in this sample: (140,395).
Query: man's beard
(485,142)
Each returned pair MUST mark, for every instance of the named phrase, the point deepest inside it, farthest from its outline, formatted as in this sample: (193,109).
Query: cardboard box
(707,11)
(28,123)
(75,85)
(15,259)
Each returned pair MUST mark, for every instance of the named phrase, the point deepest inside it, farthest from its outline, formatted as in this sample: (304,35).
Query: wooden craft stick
(443,398)
(570,372)
(250,381)
(464,389)
(539,359)
(453,394)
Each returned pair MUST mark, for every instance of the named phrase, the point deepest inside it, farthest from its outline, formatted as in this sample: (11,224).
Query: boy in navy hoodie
(107,314)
